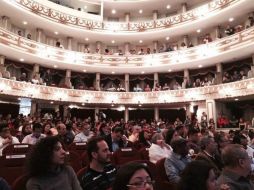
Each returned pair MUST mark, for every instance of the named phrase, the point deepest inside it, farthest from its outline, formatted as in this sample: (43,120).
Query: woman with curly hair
(47,169)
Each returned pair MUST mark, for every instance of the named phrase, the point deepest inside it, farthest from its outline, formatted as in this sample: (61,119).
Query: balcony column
(217,32)
(2,60)
(127,82)
(36,69)
(186,74)
(68,78)
(127,48)
(126,114)
(155,45)
(96,113)
(211,110)
(155,79)
(187,112)
(184,7)
(186,40)
(66,111)
(6,22)
(99,46)
(98,81)
(39,35)
(127,17)
(155,15)
(69,43)
(33,108)
(156,114)
(219,73)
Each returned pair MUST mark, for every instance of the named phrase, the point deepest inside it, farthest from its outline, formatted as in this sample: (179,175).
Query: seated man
(100,173)
(177,160)
(237,168)
(35,136)
(5,137)
(85,133)
(66,136)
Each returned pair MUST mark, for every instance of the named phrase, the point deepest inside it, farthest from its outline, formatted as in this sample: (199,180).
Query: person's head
(46,155)
(61,128)
(136,129)
(208,144)
(157,138)
(46,128)
(37,129)
(133,176)
(98,151)
(117,133)
(181,130)
(104,129)
(193,135)
(4,130)
(198,175)
(26,129)
(236,158)
(86,128)
(171,134)
(240,139)
(221,139)
(179,146)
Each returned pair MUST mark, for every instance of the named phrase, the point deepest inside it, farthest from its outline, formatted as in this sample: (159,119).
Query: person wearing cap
(177,160)
(5,137)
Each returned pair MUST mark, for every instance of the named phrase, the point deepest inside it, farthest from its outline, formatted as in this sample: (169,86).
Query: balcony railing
(24,89)
(228,44)
(46,10)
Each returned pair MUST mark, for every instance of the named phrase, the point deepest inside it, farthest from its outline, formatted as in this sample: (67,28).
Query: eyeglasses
(141,184)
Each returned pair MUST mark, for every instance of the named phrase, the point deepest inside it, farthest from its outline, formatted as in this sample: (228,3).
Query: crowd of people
(196,155)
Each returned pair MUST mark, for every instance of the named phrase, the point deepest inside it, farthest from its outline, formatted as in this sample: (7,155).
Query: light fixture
(87,39)
(140,105)
(84,70)
(56,33)
(51,102)
(198,30)
(169,70)
(55,66)
(21,59)
(167,38)
(85,7)
(25,22)
(200,66)
(231,19)
(142,72)
(140,41)
(113,41)
(236,99)
(113,72)
(168,6)
(113,11)
(140,11)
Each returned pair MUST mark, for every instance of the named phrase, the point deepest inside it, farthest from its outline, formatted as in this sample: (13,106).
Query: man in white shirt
(85,134)
(35,136)
(135,133)
(5,137)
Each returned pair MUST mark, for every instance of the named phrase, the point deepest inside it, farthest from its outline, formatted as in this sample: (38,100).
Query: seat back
(81,173)
(17,149)
(74,160)
(79,147)
(125,155)
(20,182)
(144,153)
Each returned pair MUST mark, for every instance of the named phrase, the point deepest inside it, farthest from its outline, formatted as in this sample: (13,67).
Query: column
(2,60)
(156,114)
(184,7)
(127,17)
(33,108)
(186,40)
(69,43)
(217,32)
(126,114)
(155,15)
(186,74)
(187,108)
(6,22)
(97,81)
(39,35)
(127,82)
(96,113)
(68,79)
(155,45)
(36,69)
(155,79)
(211,111)
(102,8)
(65,111)
(219,73)
(99,46)
(126,48)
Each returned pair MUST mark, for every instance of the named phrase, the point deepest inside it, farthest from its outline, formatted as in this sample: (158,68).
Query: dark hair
(169,135)
(40,158)
(195,175)
(193,131)
(92,146)
(125,173)
(37,126)
(117,130)
(142,139)
(3,125)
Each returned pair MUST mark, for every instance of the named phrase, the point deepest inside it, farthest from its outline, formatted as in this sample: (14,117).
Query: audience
(85,133)
(35,136)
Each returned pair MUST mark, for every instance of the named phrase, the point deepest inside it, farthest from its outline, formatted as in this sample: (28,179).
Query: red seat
(20,182)
(17,149)
(162,182)
(84,159)
(73,158)
(144,153)
(78,147)
(125,155)
(81,172)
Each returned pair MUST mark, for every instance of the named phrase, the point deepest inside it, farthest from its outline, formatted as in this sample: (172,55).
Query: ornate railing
(24,89)
(66,57)
(43,9)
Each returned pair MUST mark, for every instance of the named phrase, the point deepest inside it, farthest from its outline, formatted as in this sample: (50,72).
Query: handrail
(25,89)
(44,10)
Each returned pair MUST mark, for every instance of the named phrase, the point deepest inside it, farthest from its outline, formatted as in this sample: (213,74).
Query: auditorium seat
(81,172)
(125,155)
(144,153)
(17,149)
(74,160)
(84,159)
(78,147)
(20,183)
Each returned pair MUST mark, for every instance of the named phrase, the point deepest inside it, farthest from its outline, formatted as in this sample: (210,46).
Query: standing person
(47,168)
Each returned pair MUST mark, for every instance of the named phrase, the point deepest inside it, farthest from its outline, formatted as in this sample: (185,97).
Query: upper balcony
(52,17)
(237,46)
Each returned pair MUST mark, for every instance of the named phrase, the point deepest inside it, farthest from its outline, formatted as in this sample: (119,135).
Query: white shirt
(14,141)
(31,139)
(81,137)
(156,153)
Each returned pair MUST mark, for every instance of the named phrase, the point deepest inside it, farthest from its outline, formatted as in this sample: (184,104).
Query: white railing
(24,89)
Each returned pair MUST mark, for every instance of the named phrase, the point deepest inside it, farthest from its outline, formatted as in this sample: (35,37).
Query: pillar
(187,108)
(186,74)
(2,61)
(39,35)
(96,113)
(219,73)
(33,108)
(217,32)
(186,40)
(126,82)
(65,111)
(127,48)
(102,8)
(211,110)
(155,45)
(126,114)
(99,46)
(155,79)
(36,69)
(184,7)
(127,17)
(97,82)
(155,15)
(156,114)
(69,43)
(6,22)
(68,78)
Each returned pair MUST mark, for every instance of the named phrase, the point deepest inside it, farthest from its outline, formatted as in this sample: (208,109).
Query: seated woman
(133,176)
(36,79)
(147,88)
(47,168)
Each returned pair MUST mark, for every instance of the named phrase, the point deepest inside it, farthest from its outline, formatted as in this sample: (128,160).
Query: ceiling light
(140,105)
(142,72)
(51,102)
(56,33)
(113,41)
(55,66)
(140,41)
(21,59)
(87,39)
(167,38)
(231,19)
(200,66)
(199,30)
(236,99)
(84,70)
(140,11)
(85,7)
(113,72)
(169,70)
(83,104)
(168,7)
(113,11)
(25,22)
